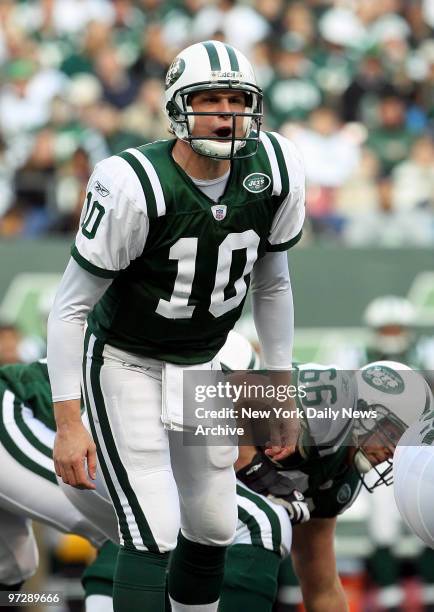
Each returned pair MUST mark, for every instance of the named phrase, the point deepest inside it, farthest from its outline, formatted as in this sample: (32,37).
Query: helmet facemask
(182,118)
(383,432)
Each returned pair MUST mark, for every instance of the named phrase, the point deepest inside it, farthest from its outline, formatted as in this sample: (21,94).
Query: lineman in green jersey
(170,234)
(29,489)
(334,457)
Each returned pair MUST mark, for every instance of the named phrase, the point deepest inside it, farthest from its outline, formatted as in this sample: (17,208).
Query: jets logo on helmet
(383,378)
(213,65)
(176,69)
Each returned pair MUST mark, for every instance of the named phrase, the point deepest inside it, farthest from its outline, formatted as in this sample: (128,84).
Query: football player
(170,234)
(29,489)
(334,458)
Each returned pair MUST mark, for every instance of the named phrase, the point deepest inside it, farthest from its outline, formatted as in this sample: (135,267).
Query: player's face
(380,445)
(218,101)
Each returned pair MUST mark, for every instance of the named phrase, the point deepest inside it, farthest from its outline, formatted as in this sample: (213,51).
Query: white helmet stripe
(223,54)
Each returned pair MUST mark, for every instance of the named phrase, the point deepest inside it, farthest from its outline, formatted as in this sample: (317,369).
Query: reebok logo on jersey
(219,211)
(101,189)
(256,182)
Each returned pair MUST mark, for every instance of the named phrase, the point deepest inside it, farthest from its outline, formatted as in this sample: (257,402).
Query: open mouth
(223,132)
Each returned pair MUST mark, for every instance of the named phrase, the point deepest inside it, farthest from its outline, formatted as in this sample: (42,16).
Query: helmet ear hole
(172,110)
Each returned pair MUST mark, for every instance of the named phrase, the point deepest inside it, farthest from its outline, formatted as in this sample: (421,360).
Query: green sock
(97,578)
(196,572)
(140,581)
(250,581)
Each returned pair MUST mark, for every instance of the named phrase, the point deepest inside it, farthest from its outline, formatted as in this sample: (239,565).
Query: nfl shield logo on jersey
(219,211)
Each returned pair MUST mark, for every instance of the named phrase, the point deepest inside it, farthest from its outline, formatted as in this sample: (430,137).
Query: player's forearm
(273,310)
(245,456)
(324,600)
(67,414)
(77,294)
(64,358)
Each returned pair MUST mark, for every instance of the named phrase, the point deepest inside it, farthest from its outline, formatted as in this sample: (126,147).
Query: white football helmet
(399,396)
(388,312)
(413,476)
(212,65)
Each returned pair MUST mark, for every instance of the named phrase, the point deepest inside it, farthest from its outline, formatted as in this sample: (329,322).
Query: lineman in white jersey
(169,236)
(28,486)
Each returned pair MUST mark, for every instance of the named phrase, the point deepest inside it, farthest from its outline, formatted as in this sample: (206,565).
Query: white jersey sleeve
(114,224)
(288,181)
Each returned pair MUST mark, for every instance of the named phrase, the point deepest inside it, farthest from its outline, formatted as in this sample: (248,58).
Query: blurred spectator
(298,21)
(330,151)
(413,179)
(331,154)
(118,87)
(240,24)
(71,17)
(387,227)
(272,11)
(145,116)
(95,36)
(71,186)
(107,121)
(85,78)
(293,93)
(391,139)
(359,194)
(25,100)
(155,56)
(367,85)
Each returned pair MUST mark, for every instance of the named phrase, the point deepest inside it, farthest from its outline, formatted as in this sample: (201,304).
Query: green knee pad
(250,581)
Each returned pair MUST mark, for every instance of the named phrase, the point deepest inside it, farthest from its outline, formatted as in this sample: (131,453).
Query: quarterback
(170,235)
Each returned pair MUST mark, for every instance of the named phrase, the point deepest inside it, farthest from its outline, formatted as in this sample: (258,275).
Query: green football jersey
(181,262)
(30,385)
(322,470)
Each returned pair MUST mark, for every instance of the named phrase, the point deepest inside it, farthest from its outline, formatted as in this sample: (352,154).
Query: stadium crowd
(350,81)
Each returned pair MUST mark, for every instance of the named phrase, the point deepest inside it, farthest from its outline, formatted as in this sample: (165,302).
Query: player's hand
(285,429)
(284,433)
(295,505)
(262,477)
(73,449)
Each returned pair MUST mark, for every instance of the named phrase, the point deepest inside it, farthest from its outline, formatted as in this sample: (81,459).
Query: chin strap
(361,461)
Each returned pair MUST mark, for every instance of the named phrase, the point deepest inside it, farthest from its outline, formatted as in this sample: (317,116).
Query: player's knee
(217,532)
(22,564)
